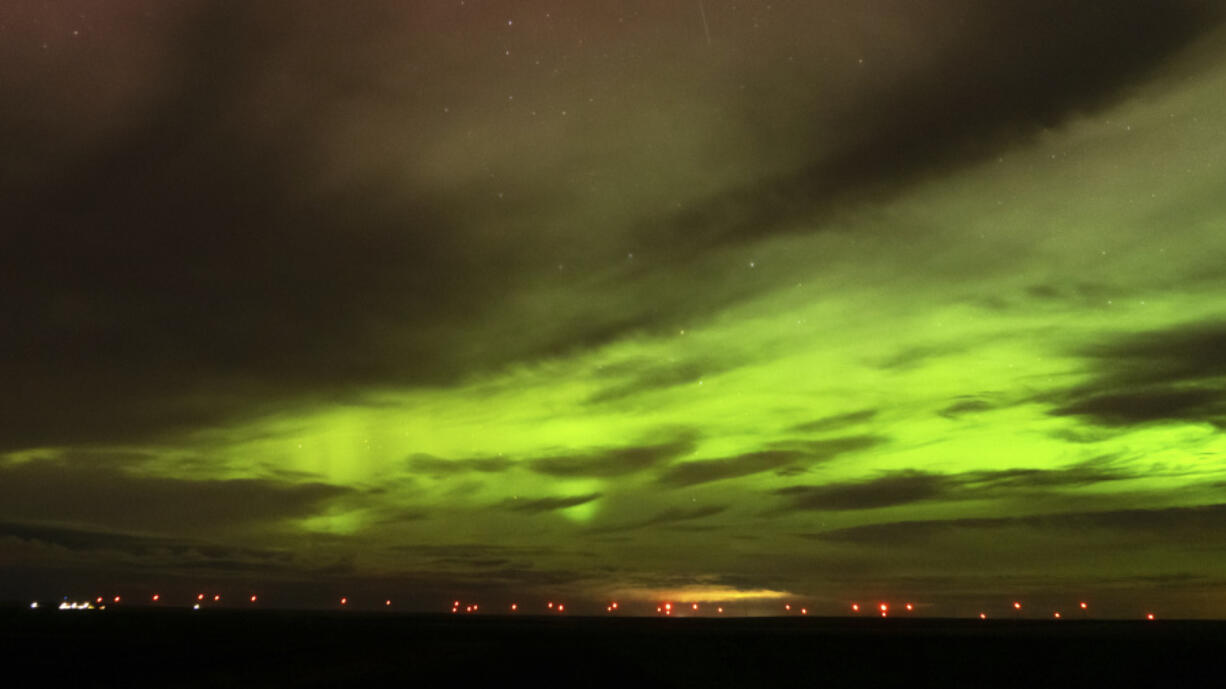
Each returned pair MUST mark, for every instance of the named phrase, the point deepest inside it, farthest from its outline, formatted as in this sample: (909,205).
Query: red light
(804,611)
(608,608)
(387,602)
(614,605)
(720,610)
(468,608)
(156,597)
(668,606)
(1083,605)
(694,606)
(658,608)
(883,607)
(983,616)
(1056,615)
(1017,605)
(456,604)
(550,605)
(454,610)
(344,601)
(1149,616)
(216,598)
(116,599)
(200,596)
(476,607)
(254,599)
(561,607)
(910,607)
(884,613)
(99,599)
(855,607)
(787,607)
(514,607)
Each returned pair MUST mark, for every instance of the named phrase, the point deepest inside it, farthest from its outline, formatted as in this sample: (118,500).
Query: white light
(196,606)
(34,605)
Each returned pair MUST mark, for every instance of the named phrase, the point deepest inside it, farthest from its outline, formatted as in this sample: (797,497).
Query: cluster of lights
(469,608)
(665,608)
(884,608)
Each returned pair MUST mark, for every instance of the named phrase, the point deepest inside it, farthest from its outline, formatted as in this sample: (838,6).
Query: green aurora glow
(958,380)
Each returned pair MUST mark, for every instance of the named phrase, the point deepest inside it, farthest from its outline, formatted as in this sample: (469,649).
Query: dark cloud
(57,492)
(803,452)
(836,422)
(439,467)
(92,548)
(1176,523)
(667,517)
(539,505)
(1099,470)
(707,470)
(828,448)
(898,488)
(966,406)
(206,237)
(611,462)
(956,113)
(1172,375)
(1148,405)
(910,486)
(644,376)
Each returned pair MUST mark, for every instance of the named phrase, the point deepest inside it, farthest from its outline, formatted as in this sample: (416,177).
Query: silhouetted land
(181,648)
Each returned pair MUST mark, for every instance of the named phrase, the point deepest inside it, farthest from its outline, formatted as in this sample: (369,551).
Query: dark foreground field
(180,648)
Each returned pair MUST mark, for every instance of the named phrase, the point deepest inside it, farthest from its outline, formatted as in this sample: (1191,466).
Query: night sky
(704,300)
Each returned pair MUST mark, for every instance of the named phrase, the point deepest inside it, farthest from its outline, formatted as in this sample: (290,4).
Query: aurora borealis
(812,301)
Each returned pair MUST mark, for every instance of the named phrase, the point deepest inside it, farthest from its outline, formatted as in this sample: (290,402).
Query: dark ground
(219,648)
